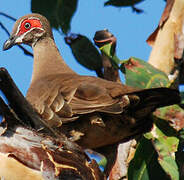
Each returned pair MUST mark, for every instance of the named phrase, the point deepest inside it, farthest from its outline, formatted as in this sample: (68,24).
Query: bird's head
(29,30)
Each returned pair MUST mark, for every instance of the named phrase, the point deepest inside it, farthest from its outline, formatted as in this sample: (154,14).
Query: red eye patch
(28,24)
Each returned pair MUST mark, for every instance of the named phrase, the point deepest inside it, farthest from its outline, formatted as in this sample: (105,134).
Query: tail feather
(159,97)
(150,99)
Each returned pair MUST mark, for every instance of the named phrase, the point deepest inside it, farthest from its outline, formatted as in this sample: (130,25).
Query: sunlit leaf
(141,74)
(107,50)
(174,114)
(106,42)
(166,142)
(102,163)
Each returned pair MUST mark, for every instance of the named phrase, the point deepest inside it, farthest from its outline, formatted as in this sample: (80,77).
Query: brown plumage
(61,96)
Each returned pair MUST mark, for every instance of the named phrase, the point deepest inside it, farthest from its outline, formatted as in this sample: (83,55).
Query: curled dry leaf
(163,19)
(167,39)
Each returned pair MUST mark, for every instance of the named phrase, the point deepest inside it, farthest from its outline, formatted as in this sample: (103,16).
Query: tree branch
(26,52)
(8,16)
(20,106)
(11,131)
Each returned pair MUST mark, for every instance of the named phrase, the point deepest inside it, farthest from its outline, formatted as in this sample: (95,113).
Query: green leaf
(108,50)
(180,157)
(174,113)
(103,162)
(168,112)
(166,145)
(144,165)
(124,3)
(85,52)
(161,143)
(182,97)
(141,74)
(120,3)
(165,141)
(58,12)
(165,159)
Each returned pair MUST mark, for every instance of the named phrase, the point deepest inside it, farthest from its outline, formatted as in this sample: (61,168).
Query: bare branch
(4,28)
(8,16)
(20,106)
(26,52)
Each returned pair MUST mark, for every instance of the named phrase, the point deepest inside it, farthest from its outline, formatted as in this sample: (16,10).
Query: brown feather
(61,96)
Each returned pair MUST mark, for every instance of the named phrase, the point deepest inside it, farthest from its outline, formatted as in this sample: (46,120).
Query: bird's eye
(27,25)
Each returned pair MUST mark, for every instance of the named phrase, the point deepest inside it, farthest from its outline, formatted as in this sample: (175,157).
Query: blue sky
(130,29)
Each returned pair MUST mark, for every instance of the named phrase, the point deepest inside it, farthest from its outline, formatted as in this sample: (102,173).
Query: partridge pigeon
(93,111)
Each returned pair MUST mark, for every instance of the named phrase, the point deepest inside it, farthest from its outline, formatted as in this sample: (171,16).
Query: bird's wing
(62,98)
(90,97)
(67,96)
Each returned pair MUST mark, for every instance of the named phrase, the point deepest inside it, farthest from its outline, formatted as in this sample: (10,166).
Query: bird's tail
(150,99)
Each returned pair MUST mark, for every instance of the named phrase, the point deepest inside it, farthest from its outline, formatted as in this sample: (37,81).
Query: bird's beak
(10,42)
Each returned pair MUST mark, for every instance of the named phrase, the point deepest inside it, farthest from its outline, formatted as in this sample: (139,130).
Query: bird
(93,111)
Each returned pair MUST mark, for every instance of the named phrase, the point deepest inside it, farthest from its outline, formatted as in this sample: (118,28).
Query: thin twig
(8,16)
(4,28)
(26,52)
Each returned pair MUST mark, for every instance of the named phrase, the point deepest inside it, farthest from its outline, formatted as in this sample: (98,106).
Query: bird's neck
(47,59)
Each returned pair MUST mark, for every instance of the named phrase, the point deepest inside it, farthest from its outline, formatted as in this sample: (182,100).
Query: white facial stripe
(33,18)
(18,28)
(20,38)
